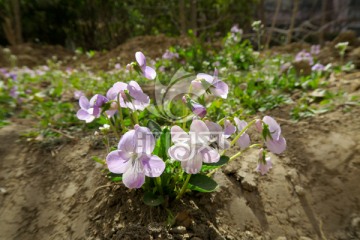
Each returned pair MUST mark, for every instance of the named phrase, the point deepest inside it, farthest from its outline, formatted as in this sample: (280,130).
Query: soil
(31,55)
(55,190)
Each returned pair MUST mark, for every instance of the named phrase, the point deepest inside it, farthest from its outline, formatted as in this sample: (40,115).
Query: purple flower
(90,110)
(162,68)
(130,95)
(211,83)
(117,66)
(78,94)
(13,76)
(236,29)
(133,158)
(304,56)
(219,136)
(170,55)
(147,71)
(318,67)
(258,125)
(14,93)
(198,109)
(315,49)
(284,67)
(244,140)
(264,164)
(273,139)
(193,148)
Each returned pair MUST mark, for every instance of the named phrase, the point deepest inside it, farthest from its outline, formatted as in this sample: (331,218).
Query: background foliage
(98,24)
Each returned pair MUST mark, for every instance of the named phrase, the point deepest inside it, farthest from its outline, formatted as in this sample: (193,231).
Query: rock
(293,176)
(178,230)
(154,228)
(183,219)
(248,181)
(305,238)
(3,191)
(281,238)
(214,233)
(355,223)
(299,190)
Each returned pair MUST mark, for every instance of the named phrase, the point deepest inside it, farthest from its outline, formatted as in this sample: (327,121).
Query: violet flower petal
(264,168)
(134,176)
(149,73)
(193,165)
(140,59)
(127,142)
(84,103)
(213,127)
(144,140)
(178,135)
(200,132)
(199,110)
(244,141)
(274,127)
(180,151)
(84,115)
(137,93)
(220,89)
(276,146)
(206,77)
(153,166)
(118,161)
(210,155)
(229,128)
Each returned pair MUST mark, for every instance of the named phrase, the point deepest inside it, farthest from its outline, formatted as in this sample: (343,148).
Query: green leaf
(209,166)
(115,177)
(98,160)
(165,141)
(202,183)
(154,128)
(163,144)
(152,199)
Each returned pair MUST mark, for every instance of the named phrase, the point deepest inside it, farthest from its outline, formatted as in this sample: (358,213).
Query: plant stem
(184,187)
(185,111)
(135,117)
(112,126)
(121,117)
(242,132)
(221,121)
(233,157)
(159,185)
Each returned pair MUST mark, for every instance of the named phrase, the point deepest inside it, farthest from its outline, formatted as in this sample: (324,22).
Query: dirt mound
(32,55)
(42,190)
(311,192)
(152,46)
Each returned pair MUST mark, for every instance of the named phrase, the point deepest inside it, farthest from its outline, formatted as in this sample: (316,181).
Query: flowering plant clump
(168,160)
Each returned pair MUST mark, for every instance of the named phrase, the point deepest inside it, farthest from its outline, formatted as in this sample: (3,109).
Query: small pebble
(299,190)
(178,230)
(3,191)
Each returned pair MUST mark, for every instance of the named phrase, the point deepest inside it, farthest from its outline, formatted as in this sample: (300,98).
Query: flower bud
(258,125)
